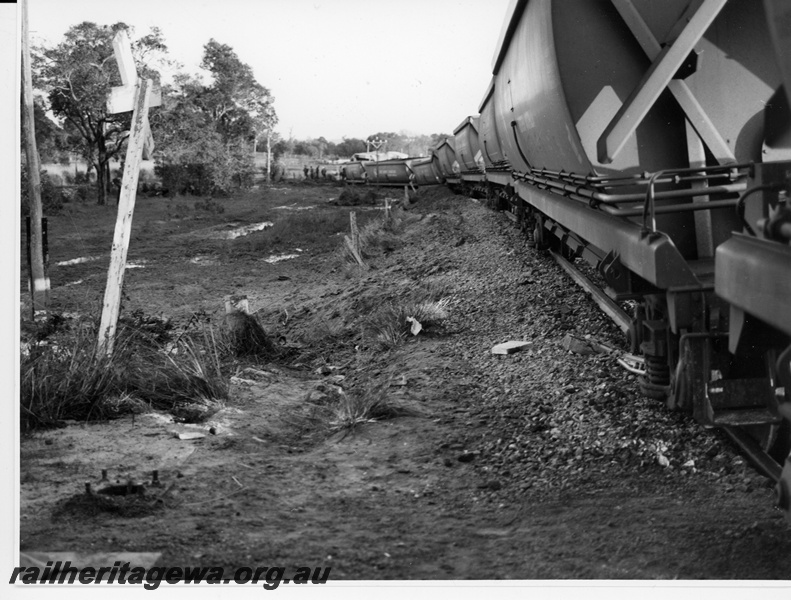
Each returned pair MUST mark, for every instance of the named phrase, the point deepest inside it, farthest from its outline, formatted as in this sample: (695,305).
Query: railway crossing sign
(136,95)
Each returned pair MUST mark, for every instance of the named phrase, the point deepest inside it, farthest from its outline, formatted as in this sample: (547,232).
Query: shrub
(207,168)
(64,376)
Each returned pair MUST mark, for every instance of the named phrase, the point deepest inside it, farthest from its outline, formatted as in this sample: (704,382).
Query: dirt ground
(540,465)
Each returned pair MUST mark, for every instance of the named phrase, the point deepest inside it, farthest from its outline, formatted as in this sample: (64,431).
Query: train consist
(653,141)
(392,172)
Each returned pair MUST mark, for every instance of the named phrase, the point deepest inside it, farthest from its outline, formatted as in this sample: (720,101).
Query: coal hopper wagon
(653,140)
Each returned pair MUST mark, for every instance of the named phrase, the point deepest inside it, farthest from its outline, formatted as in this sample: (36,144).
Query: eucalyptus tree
(77,75)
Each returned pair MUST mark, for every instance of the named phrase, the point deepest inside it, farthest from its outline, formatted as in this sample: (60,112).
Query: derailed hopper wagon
(655,143)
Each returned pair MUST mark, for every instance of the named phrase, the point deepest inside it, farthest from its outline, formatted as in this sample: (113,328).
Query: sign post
(136,95)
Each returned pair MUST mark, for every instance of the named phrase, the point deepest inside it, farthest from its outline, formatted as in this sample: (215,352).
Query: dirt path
(539,465)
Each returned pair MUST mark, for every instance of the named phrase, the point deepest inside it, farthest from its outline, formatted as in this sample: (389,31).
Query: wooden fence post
(39,281)
(353,243)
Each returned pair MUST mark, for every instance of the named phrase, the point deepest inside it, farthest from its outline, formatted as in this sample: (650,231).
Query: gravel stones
(559,412)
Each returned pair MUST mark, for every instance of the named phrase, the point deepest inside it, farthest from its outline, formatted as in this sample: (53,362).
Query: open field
(184,256)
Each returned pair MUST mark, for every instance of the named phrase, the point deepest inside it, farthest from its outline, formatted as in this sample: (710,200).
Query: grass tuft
(367,404)
(392,324)
(65,377)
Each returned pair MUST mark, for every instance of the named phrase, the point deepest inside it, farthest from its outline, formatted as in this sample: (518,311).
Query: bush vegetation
(64,376)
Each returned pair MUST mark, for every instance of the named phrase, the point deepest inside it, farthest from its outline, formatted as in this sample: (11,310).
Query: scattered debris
(510,347)
(188,435)
(586,346)
(633,364)
(416,327)
(577,346)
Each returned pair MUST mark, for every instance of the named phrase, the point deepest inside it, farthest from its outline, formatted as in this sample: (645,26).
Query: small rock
(466,457)
(493,485)
(510,347)
(577,346)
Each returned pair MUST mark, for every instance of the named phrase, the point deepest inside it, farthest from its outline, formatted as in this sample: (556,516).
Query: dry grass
(64,377)
(367,404)
(393,323)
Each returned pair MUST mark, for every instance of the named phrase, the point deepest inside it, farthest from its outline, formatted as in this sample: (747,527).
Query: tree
(52,141)
(205,131)
(321,146)
(77,75)
(192,155)
(350,146)
(240,106)
(281,147)
(302,148)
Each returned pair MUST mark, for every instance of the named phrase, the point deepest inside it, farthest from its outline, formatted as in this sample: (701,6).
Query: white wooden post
(140,144)
(268,157)
(38,272)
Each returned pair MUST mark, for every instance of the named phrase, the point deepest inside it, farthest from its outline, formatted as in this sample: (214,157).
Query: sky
(336,68)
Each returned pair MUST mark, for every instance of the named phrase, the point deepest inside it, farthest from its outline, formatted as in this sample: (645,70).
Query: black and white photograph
(414,296)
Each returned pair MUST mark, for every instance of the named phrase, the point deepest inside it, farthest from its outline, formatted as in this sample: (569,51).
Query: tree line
(206,132)
(320,148)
